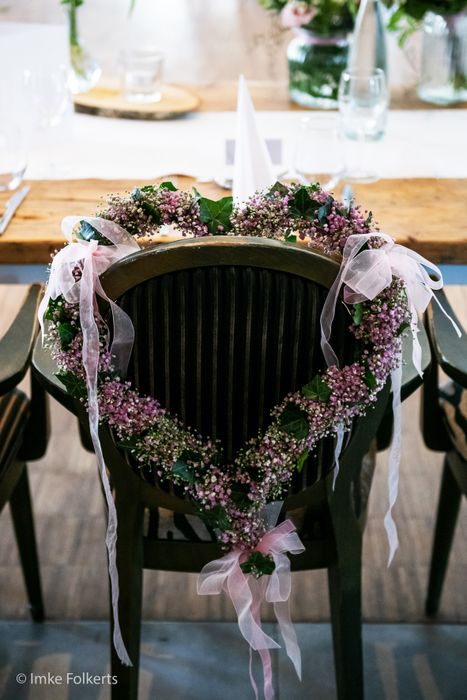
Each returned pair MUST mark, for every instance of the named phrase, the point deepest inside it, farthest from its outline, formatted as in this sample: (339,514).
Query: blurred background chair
(224,328)
(23,437)
(444,426)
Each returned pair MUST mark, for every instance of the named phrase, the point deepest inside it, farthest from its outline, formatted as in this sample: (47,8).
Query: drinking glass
(317,150)
(142,75)
(13,137)
(363,105)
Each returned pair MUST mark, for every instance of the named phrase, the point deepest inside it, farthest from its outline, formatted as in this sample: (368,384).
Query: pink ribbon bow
(93,260)
(247,593)
(365,273)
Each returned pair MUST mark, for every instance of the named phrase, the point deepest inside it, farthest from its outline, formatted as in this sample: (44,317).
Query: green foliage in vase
(323,17)
(407,15)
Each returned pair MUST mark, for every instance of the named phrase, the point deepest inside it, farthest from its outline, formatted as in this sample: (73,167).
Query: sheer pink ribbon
(247,594)
(365,273)
(94,259)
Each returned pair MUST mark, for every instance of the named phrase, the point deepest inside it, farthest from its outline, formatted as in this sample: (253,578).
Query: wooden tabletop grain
(428,215)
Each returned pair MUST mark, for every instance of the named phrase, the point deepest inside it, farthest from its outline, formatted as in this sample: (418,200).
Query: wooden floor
(70,529)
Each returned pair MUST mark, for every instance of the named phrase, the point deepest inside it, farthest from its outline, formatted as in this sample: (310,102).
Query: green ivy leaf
(167,186)
(302,459)
(369,219)
(183,471)
(74,385)
(290,238)
(357,313)
(293,420)
(278,187)
(66,333)
(301,205)
(403,327)
(216,214)
(317,389)
(239,495)
(324,210)
(370,379)
(258,565)
(216,517)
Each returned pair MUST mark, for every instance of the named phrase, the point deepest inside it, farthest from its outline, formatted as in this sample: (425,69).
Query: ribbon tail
(258,592)
(337,453)
(90,362)
(416,347)
(454,324)
(282,612)
(394,461)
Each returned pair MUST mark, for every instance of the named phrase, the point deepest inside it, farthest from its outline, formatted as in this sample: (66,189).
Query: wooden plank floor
(70,529)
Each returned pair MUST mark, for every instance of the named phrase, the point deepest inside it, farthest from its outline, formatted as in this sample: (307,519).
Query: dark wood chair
(23,437)
(444,426)
(225,328)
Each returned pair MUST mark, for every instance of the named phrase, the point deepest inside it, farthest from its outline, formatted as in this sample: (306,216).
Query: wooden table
(429,216)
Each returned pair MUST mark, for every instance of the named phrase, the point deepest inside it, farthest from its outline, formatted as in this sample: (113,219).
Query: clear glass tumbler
(317,150)
(142,75)
(363,106)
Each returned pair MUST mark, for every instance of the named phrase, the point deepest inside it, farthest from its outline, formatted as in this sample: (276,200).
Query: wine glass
(317,150)
(363,106)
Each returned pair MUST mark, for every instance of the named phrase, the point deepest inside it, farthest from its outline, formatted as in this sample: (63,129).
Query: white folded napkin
(252,166)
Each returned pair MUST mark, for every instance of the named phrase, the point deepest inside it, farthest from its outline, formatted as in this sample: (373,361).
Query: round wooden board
(109,102)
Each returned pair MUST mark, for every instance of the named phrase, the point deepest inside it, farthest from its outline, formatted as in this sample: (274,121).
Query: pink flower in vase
(297,14)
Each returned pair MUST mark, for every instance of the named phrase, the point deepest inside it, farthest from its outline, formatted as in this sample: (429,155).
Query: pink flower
(297,13)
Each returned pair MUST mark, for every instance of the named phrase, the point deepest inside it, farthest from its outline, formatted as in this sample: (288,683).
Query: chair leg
(23,522)
(344,580)
(130,572)
(448,510)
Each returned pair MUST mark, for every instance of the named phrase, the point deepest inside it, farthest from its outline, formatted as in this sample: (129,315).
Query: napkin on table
(252,166)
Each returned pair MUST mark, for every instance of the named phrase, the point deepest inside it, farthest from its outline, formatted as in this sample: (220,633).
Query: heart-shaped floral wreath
(230,497)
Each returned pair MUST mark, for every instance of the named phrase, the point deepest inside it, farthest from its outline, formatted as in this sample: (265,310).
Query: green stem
(73,23)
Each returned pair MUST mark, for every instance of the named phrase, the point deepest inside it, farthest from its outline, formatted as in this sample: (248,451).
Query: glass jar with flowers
(318,53)
(443,72)
(85,72)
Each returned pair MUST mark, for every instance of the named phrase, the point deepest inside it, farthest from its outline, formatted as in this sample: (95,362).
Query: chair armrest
(17,344)
(449,350)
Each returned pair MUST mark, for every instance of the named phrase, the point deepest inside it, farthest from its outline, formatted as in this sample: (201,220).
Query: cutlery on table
(12,206)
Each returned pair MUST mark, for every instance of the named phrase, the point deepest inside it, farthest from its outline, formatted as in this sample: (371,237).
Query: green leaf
(302,459)
(403,327)
(216,214)
(66,333)
(167,186)
(325,210)
(369,218)
(370,379)
(216,517)
(151,211)
(258,565)
(181,470)
(73,384)
(293,420)
(290,238)
(301,205)
(87,232)
(357,313)
(239,495)
(317,389)
(278,187)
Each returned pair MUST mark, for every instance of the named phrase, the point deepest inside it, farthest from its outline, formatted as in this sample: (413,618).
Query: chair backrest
(225,327)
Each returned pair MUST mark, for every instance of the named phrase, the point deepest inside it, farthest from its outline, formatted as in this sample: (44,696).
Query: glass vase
(315,66)
(85,71)
(443,79)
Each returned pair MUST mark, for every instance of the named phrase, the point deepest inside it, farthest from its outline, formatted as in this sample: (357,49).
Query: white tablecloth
(422,143)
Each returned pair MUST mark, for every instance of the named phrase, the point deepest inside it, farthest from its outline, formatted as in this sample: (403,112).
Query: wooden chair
(444,426)
(225,327)
(23,437)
